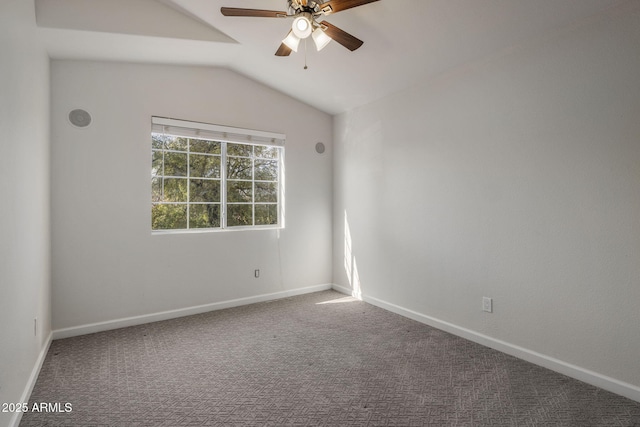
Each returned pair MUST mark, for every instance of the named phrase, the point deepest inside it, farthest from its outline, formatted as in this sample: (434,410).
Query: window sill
(215,230)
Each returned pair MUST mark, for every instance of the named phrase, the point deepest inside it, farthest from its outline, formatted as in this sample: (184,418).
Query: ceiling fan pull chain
(305,54)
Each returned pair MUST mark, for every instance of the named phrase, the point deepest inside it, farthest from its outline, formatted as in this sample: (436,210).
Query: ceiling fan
(304,14)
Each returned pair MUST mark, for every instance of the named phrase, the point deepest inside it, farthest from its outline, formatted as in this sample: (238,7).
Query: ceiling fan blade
(340,36)
(334,6)
(235,11)
(283,50)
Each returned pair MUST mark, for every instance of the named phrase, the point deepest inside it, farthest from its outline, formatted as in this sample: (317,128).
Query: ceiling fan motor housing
(310,6)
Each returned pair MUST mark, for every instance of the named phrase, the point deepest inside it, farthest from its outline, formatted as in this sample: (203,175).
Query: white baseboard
(15,420)
(613,385)
(172,314)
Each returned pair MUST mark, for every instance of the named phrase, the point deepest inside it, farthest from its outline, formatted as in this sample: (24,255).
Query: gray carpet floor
(319,359)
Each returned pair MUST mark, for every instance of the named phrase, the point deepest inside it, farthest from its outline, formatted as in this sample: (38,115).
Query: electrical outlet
(487,304)
(35,327)
(256,273)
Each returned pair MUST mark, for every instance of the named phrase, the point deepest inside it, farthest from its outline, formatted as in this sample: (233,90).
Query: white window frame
(225,135)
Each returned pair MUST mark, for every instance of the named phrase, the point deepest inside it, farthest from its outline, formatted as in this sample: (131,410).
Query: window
(212,177)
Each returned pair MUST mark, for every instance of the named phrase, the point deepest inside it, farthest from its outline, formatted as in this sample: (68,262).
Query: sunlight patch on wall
(350,266)
(347,249)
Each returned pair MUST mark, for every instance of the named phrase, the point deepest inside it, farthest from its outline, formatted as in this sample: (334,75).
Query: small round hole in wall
(79,118)
(320,148)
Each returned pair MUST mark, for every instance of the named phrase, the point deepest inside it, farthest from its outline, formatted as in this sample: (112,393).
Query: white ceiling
(405,41)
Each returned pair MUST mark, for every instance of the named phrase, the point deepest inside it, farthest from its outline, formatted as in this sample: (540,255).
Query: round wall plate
(79,118)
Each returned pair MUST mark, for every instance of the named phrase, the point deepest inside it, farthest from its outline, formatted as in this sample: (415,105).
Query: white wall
(516,178)
(24,199)
(106,264)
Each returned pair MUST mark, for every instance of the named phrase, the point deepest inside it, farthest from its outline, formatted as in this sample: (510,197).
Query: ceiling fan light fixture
(302,26)
(320,38)
(292,41)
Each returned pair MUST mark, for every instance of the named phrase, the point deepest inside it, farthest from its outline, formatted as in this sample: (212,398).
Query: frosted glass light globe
(301,27)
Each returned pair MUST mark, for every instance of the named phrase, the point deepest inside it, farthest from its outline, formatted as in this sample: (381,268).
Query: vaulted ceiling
(405,41)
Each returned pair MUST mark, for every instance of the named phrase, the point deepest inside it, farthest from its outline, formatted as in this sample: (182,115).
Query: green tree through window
(206,184)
